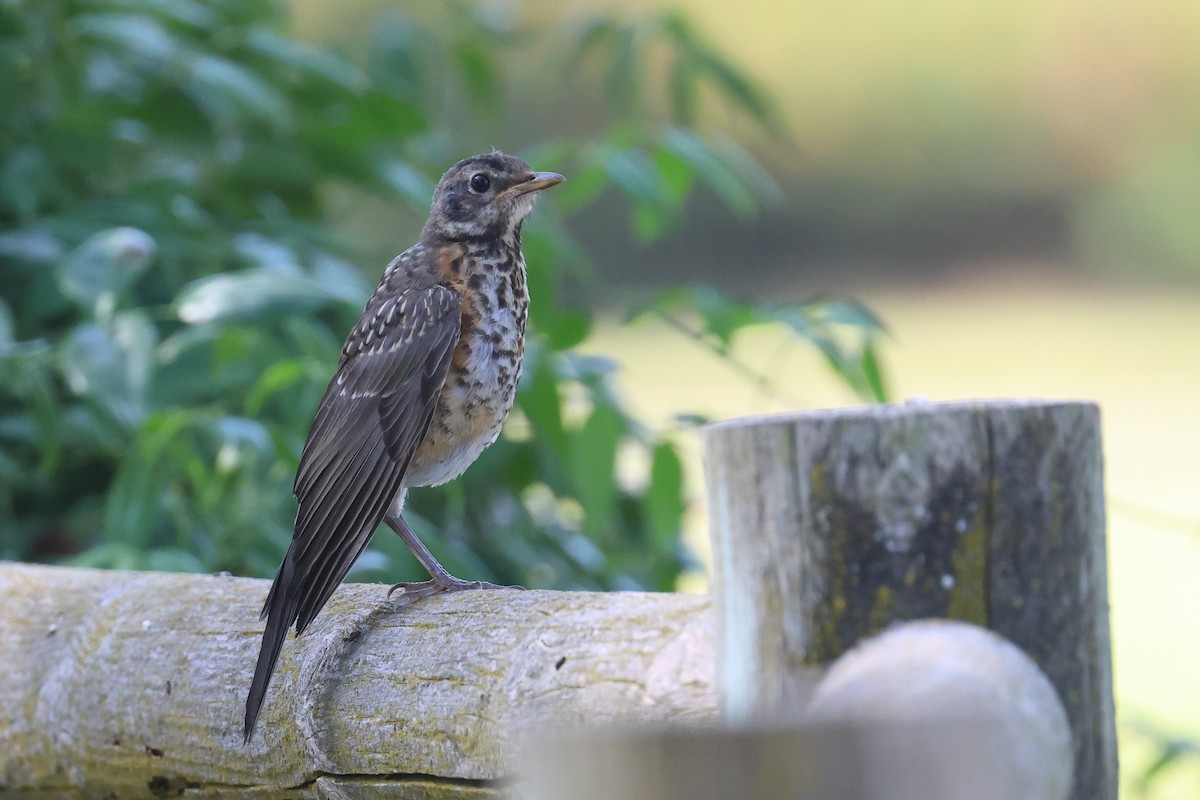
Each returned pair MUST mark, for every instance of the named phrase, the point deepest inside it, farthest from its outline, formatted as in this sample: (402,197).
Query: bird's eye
(480,183)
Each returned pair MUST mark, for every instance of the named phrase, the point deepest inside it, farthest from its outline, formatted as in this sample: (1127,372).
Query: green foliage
(173,292)
(1170,752)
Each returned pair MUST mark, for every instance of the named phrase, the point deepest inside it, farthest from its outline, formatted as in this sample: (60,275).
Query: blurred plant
(156,381)
(1169,752)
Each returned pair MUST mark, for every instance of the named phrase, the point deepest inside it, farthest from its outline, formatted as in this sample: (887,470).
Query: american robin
(425,381)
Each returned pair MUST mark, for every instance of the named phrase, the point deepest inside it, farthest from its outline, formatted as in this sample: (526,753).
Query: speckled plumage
(425,381)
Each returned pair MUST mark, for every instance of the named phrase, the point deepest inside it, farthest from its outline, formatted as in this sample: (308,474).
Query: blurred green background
(196,197)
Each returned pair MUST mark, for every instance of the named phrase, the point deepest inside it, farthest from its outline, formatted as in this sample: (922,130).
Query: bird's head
(485,195)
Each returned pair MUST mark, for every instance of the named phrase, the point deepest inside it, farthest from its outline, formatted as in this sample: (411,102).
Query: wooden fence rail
(121,684)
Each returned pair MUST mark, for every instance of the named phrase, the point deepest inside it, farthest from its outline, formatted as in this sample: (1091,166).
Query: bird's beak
(536,182)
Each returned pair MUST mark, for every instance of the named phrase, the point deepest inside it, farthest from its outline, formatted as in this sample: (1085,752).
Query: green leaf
(852,312)
(188,12)
(585,184)
(710,167)
(873,373)
(735,86)
(133,507)
(95,273)
(566,329)
(32,246)
(133,36)
(664,501)
(111,363)
(7,331)
(593,468)
(591,34)
(624,72)
(722,317)
(538,397)
(407,182)
(251,295)
(306,59)
(278,377)
(110,555)
(27,181)
(173,559)
(479,74)
(635,174)
(231,94)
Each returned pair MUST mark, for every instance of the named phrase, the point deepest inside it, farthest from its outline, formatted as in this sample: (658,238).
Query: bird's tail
(280,611)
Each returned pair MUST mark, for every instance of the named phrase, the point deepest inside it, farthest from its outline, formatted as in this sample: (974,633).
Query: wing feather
(368,426)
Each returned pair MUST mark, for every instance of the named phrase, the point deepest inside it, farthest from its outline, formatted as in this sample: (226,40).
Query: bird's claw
(411,592)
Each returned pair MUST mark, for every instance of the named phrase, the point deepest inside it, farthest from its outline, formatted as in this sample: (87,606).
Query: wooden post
(829,525)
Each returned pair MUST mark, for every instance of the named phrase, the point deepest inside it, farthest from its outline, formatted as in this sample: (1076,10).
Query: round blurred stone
(944,675)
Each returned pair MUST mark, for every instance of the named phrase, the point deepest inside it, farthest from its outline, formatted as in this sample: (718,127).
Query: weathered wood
(132,685)
(829,525)
(820,760)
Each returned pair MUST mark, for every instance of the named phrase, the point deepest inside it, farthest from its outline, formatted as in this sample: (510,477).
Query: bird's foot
(412,592)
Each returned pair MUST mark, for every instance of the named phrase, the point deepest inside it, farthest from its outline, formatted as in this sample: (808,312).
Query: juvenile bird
(425,381)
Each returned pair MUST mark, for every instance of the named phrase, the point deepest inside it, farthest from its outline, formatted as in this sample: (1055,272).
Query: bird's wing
(367,428)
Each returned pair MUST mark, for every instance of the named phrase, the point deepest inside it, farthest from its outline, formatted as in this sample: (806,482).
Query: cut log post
(827,526)
(133,685)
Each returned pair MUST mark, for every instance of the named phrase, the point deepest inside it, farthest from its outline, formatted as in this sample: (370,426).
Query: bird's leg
(439,579)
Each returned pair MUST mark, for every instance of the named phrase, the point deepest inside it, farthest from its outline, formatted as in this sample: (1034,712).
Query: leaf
(593,468)
(111,363)
(852,312)
(624,72)
(132,507)
(109,555)
(94,274)
(734,85)
(635,174)
(134,36)
(7,331)
(651,222)
(188,12)
(723,317)
(710,167)
(306,59)
(538,397)
(27,181)
(134,504)
(260,251)
(173,559)
(230,94)
(479,74)
(32,246)
(277,377)
(873,374)
(565,329)
(407,182)
(664,500)
(585,184)
(249,295)
(591,34)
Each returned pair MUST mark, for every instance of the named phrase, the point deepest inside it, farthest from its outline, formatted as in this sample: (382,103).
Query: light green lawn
(1135,353)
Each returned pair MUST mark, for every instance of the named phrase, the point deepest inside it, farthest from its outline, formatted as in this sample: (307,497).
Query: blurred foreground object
(931,671)
(828,526)
(932,710)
